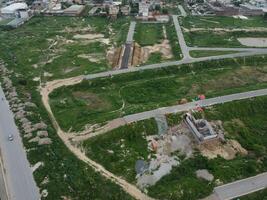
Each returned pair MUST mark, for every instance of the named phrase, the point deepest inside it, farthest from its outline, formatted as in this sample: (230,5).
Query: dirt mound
(226,150)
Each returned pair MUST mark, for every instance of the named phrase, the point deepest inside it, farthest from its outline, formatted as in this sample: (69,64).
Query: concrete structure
(11,10)
(74,10)
(200,128)
(162,18)
(16,22)
(143,9)
(248,9)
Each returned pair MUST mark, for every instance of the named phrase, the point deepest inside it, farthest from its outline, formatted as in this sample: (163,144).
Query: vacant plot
(119,149)
(173,40)
(182,183)
(222,22)
(216,31)
(148,34)
(61,46)
(136,92)
(219,39)
(62,174)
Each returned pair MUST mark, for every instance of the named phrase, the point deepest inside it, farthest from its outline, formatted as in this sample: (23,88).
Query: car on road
(10,137)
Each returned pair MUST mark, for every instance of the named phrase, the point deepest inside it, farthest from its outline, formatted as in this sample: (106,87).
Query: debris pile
(165,157)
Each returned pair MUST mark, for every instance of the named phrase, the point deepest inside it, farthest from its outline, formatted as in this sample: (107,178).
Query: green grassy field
(148,34)
(173,39)
(103,99)
(65,176)
(47,44)
(218,39)
(201,53)
(222,22)
(221,38)
(119,149)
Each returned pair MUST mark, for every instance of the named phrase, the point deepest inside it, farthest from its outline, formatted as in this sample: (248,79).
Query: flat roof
(13,7)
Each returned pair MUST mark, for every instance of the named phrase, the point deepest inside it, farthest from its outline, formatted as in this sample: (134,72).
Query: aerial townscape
(133,99)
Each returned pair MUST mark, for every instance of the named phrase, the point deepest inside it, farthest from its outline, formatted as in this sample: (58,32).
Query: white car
(10,137)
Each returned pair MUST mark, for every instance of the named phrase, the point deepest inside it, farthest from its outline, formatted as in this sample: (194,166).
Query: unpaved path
(129,188)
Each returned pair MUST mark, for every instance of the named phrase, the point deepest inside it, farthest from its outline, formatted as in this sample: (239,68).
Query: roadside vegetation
(99,100)
(148,34)
(119,149)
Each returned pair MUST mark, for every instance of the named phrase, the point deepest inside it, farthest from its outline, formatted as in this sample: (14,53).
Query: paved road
(128,46)
(182,11)
(192,105)
(171,63)
(3,189)
(226,49)
(180,35)
(241,187)
(18,174)
(131,32)
(126,56)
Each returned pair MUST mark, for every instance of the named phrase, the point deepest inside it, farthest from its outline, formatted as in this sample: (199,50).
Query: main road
(18,175)
(174,63)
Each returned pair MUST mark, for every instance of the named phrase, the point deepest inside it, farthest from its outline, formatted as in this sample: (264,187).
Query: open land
(60,47)
(96,101)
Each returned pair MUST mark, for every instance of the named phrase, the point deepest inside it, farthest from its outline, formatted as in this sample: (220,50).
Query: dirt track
(65,137)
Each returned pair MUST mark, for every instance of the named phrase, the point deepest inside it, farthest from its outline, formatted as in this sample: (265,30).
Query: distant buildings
(12,10)
(227,8)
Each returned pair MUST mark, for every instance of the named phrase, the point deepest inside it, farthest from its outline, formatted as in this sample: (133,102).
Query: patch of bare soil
(141,54)
(239,77)
(92,100)
(114,56)
(92,37)
(69,69)
(77,29)
(227,150)
(253,42)
(92,57)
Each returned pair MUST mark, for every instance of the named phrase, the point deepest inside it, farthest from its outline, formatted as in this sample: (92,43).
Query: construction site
(172,144)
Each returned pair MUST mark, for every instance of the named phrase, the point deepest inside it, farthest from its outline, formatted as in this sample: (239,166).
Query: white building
(11,10)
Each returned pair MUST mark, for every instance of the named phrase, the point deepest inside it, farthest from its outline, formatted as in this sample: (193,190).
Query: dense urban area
(133,99)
